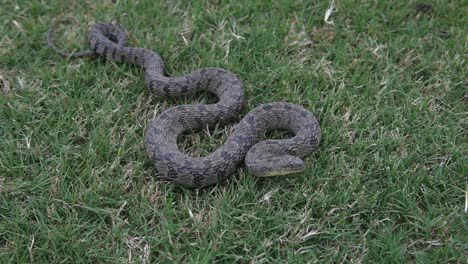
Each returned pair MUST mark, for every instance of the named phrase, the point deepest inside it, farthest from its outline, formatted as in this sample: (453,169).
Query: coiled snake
(264,158)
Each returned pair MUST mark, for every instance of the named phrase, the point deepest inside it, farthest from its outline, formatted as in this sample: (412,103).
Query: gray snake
(262,158)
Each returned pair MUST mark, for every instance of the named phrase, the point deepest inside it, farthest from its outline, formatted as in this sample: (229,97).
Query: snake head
(269,158)
(276,166)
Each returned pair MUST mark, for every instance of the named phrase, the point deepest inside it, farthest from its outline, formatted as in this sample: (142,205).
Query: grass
(387,184)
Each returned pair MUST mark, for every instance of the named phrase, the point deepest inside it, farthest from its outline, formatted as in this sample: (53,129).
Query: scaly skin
(265,158)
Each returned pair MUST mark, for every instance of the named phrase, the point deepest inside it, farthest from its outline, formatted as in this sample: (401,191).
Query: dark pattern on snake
(264,158)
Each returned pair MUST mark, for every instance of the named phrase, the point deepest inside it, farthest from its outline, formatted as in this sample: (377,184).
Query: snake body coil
(265,158)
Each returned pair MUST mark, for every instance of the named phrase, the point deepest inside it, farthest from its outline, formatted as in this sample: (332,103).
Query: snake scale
(262,158)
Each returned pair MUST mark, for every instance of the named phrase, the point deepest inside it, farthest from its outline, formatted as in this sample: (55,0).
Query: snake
(247,143)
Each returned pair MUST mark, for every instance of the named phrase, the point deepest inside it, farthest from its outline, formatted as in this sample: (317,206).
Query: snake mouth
(278,173)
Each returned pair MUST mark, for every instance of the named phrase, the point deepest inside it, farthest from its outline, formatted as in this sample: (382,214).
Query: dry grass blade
(4,85)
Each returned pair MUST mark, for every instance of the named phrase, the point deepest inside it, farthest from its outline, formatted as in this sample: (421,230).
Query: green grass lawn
(387,184)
